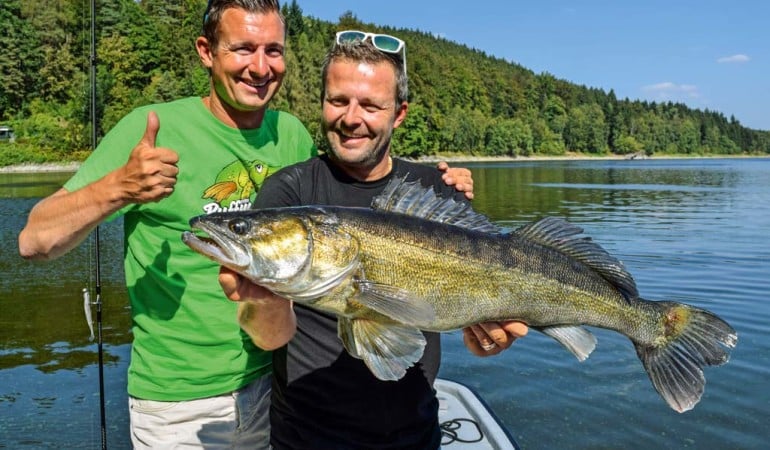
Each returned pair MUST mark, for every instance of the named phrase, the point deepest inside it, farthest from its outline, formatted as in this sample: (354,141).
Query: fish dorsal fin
(413,199)
(567,238)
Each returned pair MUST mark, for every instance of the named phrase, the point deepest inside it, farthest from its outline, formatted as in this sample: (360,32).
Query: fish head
(265,248)
(301,253)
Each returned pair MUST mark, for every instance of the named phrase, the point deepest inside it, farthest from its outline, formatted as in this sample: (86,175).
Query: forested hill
(461,99)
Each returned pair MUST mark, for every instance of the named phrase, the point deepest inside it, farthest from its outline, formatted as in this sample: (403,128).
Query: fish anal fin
(579,341)
(387,350)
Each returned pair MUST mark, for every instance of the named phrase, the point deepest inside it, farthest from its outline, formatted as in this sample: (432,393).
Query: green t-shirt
(187,342)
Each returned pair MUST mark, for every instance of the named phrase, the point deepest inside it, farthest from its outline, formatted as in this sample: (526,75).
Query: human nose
(258,64)
(352,116)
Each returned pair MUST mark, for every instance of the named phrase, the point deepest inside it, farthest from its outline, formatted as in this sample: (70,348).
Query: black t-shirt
(323,398)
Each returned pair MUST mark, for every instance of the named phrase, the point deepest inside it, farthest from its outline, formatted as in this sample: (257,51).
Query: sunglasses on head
(382,42)
(206,12)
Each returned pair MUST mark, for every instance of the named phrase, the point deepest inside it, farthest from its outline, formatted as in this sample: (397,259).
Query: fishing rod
(96,248)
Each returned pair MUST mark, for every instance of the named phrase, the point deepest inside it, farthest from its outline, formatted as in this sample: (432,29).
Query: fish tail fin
(691,339)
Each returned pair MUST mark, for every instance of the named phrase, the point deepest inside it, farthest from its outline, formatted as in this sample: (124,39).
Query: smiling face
(359,114)
(247,66)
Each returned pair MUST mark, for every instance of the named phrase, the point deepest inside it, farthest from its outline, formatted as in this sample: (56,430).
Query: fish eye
(239,226)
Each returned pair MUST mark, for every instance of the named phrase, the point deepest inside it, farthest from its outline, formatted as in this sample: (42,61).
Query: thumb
(151,132)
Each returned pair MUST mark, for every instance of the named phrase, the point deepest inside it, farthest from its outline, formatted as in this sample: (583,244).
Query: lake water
(693,231)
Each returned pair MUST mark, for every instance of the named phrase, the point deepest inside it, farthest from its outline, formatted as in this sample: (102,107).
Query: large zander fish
(416,262)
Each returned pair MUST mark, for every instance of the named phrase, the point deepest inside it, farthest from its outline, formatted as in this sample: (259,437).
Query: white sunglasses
(382,42)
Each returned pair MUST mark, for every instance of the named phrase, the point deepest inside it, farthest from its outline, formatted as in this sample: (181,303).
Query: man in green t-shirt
(194,379)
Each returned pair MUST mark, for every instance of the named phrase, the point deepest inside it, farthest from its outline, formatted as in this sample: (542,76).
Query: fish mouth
(227,252)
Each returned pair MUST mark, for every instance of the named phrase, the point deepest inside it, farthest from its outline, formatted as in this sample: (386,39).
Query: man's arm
(60,222)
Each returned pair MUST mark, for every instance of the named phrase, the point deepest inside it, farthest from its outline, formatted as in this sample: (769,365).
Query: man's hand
(150,173)
(491,338)
(238,289)
(458,177)
(267,318)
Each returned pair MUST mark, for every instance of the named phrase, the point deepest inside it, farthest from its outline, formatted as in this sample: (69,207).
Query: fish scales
(507,277)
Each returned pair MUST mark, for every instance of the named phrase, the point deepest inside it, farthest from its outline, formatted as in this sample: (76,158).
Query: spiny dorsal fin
(568,238)
(413,199)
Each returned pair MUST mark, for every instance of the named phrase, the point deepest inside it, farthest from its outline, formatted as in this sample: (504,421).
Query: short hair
(216,8)
(365,51)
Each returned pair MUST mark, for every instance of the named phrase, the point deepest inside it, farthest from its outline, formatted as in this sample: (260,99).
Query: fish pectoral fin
(579,341)
(396,303)
(387,349)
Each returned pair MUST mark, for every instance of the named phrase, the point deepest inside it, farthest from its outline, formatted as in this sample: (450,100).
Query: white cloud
(734,59)
(668,88)
(671,91)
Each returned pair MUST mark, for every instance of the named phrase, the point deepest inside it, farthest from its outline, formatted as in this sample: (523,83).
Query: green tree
(20,59)
(509,137)
(411,138)
(464,131)
(544,140)
(627,145)
(586,130)
(295,23)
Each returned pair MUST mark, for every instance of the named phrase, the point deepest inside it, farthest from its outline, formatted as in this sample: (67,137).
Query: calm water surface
(693,231)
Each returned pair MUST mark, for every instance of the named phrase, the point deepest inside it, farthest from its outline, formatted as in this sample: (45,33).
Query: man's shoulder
(185,103)
(300,169)
(417,171)
(175,109)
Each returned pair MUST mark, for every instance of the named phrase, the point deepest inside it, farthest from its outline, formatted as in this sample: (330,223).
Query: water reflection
(31,185)
(42,305)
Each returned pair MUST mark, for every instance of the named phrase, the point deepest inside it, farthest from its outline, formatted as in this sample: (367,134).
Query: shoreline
(41,167)
(73,166)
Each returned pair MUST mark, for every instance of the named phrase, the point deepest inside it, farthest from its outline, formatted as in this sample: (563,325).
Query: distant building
(6,134)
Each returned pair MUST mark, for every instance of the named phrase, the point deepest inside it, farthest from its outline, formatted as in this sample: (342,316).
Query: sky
(707,54)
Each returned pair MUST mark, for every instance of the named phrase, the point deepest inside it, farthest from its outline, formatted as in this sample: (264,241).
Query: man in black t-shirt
(323,398)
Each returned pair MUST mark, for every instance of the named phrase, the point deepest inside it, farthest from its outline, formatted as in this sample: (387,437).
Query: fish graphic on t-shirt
(237,181)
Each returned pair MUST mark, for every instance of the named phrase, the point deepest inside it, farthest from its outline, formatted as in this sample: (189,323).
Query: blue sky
(707,54)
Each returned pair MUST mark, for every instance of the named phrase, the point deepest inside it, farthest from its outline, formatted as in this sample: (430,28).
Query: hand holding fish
(150,173)
(491,338)
(459,177)
(267,318)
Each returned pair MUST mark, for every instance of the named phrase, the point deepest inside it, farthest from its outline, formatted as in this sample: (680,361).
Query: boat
(467,422)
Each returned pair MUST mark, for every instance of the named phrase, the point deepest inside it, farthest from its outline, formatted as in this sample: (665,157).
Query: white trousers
(240,419)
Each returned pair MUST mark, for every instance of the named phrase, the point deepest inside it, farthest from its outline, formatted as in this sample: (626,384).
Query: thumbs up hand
(150,173)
